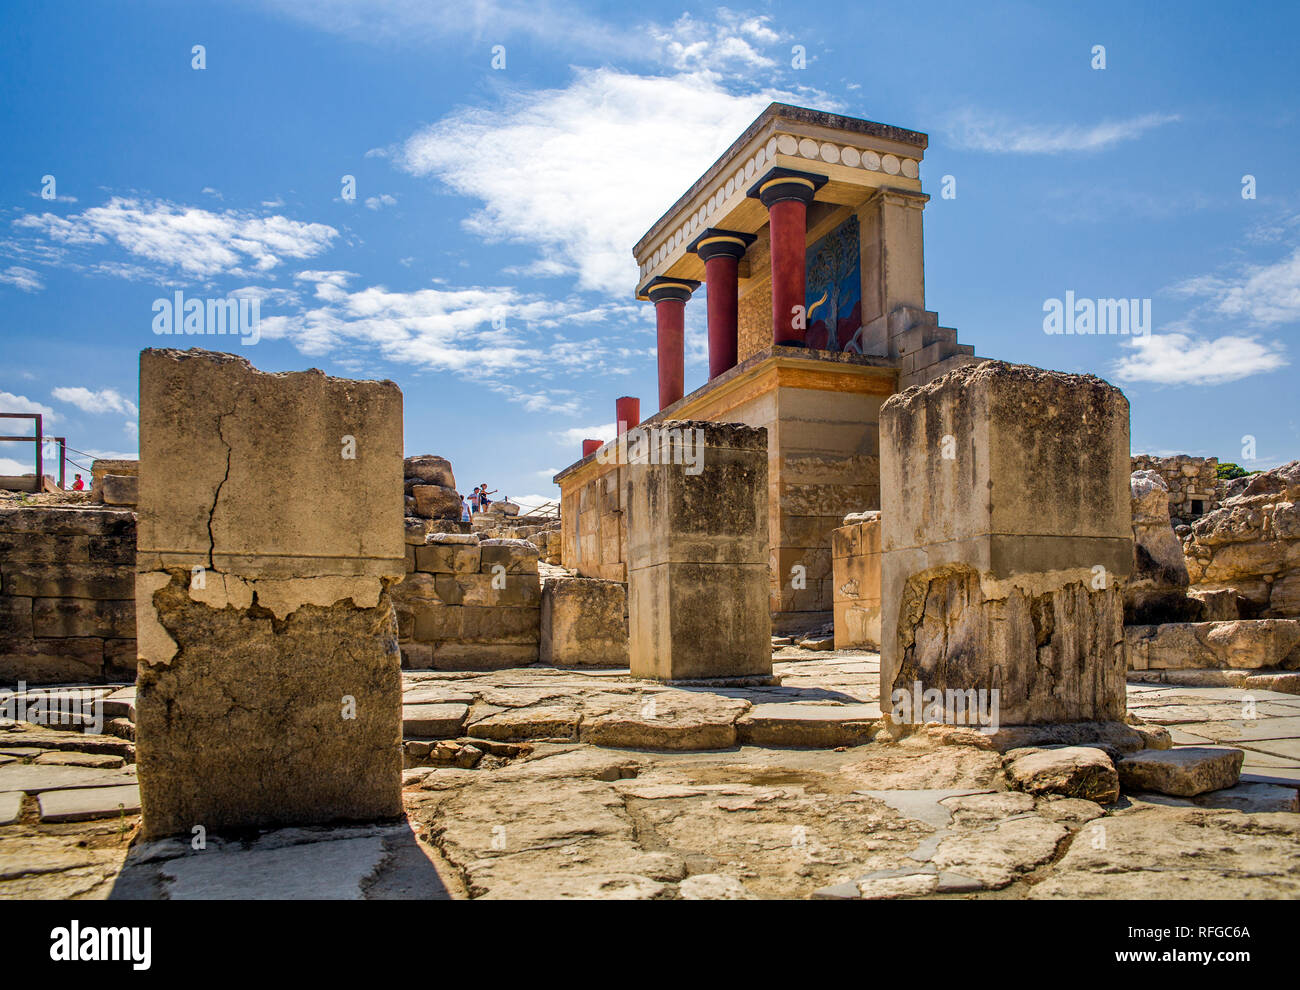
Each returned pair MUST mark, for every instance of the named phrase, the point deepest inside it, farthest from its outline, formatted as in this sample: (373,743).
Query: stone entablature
(856,155)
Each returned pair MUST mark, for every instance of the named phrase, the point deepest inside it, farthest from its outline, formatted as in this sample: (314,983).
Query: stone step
(433,721)
(808,726)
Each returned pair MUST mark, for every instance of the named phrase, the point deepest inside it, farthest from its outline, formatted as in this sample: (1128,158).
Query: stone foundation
(269,686)
(67,594)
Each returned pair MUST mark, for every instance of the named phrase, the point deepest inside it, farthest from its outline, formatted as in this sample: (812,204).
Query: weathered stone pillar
(1006,536)
(669,296)
(721,251)
(786,193)
(270,527)
(696,509)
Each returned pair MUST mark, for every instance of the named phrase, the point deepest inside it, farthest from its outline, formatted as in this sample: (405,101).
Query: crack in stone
(216,496)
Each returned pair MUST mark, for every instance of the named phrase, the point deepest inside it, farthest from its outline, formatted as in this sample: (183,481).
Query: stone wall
(1189,480)
(1251,546)
(467,603)
(67,594)
(594,535)
(855,551)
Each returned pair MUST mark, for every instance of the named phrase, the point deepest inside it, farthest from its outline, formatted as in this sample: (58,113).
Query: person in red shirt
(77,484)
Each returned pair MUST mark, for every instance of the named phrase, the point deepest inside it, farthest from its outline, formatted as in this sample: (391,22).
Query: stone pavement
(790,791)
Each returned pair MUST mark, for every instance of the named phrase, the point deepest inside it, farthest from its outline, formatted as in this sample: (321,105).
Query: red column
(788,225)
(786,194)
(670,322)
(669,296)
(721,251)
(720,276)
(627,413)
(589,447)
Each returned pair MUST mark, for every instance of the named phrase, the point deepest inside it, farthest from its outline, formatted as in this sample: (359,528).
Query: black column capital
(663,287)
(715,241)
(786,183)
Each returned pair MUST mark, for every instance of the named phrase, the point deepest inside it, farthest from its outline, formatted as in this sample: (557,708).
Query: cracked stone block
(1006,535)
(269,685)
(697,538)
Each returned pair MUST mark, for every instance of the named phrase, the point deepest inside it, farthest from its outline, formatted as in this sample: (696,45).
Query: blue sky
(485,261)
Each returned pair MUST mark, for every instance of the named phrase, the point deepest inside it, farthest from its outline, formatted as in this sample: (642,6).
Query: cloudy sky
(505,156)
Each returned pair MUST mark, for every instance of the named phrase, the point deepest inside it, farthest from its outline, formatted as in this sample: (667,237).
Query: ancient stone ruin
(859,616)
(269,684)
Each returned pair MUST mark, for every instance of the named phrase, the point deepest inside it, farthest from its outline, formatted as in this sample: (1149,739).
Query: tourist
(483,494)
(464,510)
(77,484)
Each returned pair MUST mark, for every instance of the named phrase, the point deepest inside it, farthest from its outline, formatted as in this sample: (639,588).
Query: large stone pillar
(721,251)
(270,528)
(1006,536)
(786,193)
(696,510)
(669,296)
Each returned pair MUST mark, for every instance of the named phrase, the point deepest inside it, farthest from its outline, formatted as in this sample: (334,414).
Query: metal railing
(40,439)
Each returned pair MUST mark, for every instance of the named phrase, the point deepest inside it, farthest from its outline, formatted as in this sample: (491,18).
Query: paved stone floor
(789,791)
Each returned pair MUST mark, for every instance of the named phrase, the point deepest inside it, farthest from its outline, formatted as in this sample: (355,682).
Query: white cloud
(9,466)
(1262,294)
(380,201)
(574,437)
(101,401)
(529,503)
(22,278)
(718,46)
(21,404)
(581,172)
(1177,358)
(981,132)
(197,241)
(493,335)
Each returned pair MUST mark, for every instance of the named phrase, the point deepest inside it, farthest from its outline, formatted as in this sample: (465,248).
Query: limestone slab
(11,803)
(1182,772)
(87,803)
(433,721)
